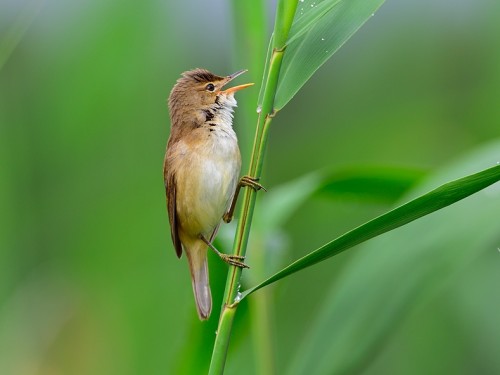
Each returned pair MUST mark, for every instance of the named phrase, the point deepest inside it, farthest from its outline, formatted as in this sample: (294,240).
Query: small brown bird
(201,171)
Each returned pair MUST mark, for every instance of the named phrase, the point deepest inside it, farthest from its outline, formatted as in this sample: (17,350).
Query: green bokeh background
(89,283)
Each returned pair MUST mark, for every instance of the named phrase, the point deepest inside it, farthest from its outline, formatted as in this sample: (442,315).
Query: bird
(201,172)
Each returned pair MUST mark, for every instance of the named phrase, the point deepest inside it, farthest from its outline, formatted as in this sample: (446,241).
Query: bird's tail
(197,259)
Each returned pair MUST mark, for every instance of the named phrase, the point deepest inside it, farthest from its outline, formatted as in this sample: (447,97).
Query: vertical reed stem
(285,13)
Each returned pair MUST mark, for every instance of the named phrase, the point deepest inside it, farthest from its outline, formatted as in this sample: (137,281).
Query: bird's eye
(210,87)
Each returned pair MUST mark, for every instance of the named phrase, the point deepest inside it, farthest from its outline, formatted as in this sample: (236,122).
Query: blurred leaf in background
(403,272)
(89,283)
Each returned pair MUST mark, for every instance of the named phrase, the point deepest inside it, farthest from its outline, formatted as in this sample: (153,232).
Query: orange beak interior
(236,88)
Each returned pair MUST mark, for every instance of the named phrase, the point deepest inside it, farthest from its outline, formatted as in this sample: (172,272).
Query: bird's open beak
(235,88)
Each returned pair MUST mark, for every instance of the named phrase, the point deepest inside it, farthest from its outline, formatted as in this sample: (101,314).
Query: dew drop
(237,298)
(322,38)
(259,109)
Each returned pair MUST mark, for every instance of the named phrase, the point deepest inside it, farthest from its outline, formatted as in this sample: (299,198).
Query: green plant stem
(250,46)
(284,17)
(222,339)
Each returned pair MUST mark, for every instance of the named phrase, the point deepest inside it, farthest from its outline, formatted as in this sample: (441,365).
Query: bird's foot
(234,260)
(244,181)
(252,182)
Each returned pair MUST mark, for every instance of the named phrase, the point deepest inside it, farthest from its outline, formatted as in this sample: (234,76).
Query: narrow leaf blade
(397,280)
(436,199)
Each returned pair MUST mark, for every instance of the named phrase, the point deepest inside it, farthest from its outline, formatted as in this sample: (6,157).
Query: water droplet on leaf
(237,298)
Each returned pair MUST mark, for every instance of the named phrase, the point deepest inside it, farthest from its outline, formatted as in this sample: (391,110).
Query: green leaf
(320,28)
(379,297)
(436,199)
(378,184)
(370,184)
(305,20)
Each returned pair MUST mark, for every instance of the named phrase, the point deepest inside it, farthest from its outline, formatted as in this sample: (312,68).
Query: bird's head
(199,89)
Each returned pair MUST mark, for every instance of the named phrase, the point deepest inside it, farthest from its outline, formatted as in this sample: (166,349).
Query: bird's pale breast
(207,181)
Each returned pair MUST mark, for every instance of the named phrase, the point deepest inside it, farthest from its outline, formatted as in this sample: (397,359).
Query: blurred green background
(89,282)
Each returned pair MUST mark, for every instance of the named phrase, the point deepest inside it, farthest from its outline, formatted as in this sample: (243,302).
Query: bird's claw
(252,183)
(234,260)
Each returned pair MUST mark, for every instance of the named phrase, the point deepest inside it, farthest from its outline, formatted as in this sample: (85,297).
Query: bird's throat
(219,116)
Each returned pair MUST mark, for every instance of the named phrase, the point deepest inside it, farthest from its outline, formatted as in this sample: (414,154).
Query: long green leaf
(304,21)
(437,199)
(411,278)
(377,185)
(320,28)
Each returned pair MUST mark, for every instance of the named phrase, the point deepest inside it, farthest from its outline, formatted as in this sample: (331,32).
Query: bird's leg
(234,260)
(244,181)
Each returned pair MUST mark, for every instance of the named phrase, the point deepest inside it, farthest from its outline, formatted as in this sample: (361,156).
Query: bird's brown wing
(170,189)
